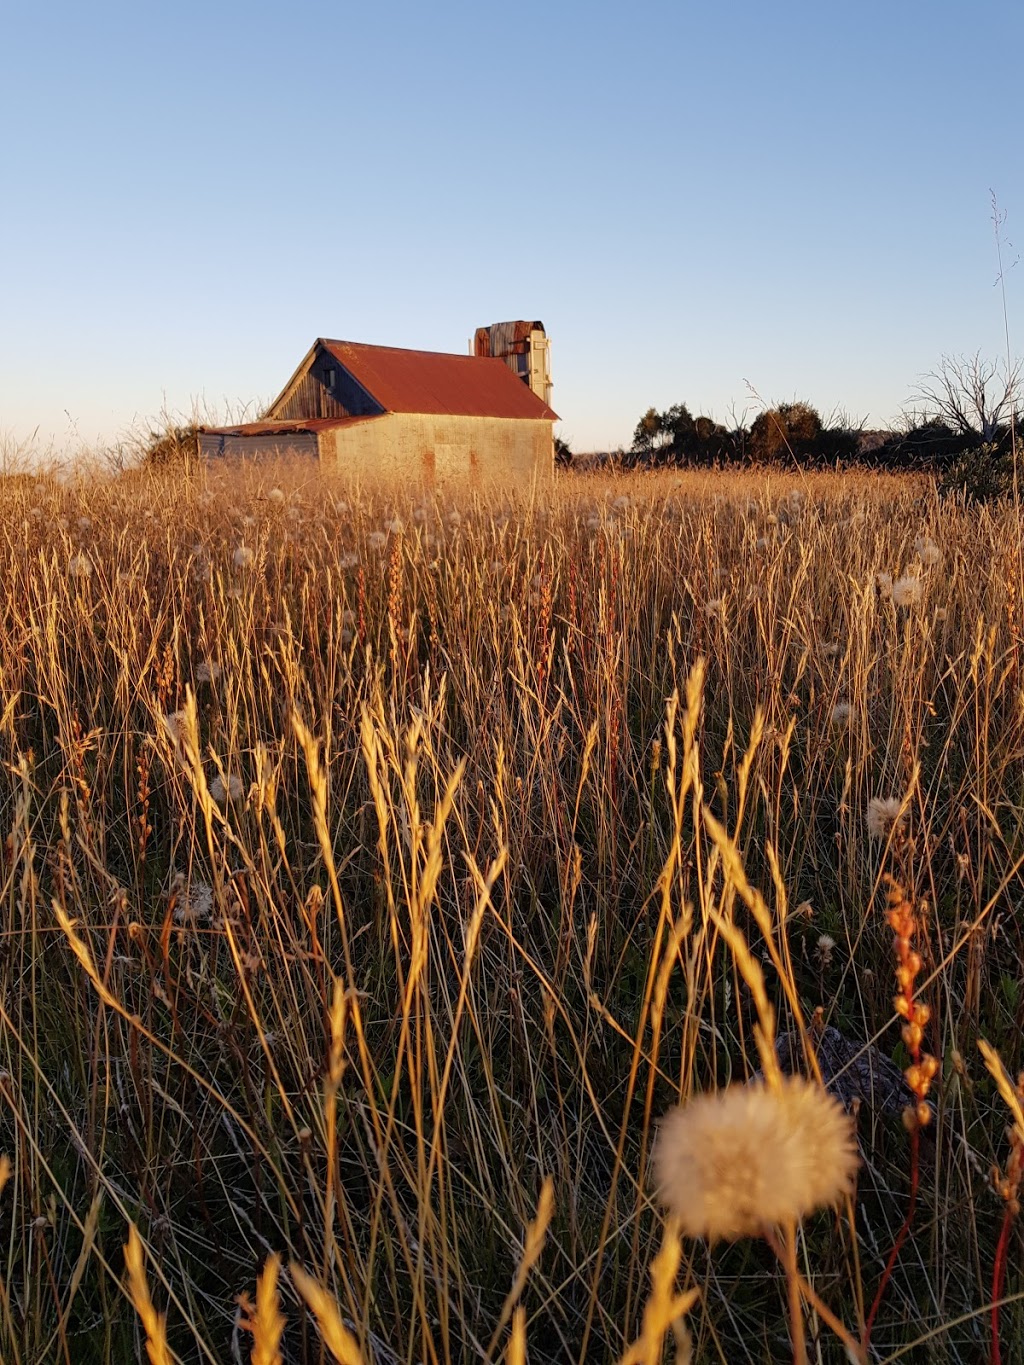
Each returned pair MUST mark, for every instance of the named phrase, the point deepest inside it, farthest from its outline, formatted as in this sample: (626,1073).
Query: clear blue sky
(690,195)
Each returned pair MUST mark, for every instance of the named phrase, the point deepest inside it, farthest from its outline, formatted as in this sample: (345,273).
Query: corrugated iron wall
(410,448)
(281,445)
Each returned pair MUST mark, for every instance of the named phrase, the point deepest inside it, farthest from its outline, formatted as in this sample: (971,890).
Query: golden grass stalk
(664,1307)
(533,1245)
(337,1337)
(515,1353)
(153,1323)
(268,1321)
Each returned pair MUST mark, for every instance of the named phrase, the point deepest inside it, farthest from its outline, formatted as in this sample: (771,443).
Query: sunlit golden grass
(379,868)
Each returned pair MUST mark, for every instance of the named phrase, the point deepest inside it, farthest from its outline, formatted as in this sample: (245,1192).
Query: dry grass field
(378,870)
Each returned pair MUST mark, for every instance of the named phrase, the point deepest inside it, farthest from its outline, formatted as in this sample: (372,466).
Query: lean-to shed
(378,411)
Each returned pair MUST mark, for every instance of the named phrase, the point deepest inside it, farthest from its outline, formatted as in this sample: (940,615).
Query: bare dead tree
(971,396)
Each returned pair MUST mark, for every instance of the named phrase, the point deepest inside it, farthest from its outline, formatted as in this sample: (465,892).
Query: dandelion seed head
(194,904)
(349,560)
(735,1162)
(941,614)
(376,540)
(396,526)
(883,584)
(276,496)
(842,714)
(221,792)
(242,557)
(174,726)
(906,591)
(80,566)
(884,814)
(928,552)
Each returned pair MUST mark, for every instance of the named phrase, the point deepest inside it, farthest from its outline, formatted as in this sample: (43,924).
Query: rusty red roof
(437,382)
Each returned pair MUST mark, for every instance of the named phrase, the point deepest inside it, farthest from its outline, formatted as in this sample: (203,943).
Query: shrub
(927,445)
(674,437)
(981,473)
(787,431)
(175,445)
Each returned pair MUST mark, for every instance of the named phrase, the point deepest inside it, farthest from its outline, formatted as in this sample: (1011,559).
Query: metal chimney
(525,349)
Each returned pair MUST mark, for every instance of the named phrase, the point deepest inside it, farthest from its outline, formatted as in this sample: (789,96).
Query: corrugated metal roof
(436,382)
(282,427)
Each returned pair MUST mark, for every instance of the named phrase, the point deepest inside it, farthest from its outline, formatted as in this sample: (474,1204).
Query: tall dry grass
(509,774)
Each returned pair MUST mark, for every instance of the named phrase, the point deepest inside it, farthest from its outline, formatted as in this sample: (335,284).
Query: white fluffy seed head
(884,814)
(194,904)
(739,1161)
(906,591)
(928,552)
(232,791)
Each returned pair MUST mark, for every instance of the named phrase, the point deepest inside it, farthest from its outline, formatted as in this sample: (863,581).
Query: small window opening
(330,379)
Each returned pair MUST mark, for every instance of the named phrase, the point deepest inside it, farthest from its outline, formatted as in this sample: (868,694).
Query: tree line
(962,421)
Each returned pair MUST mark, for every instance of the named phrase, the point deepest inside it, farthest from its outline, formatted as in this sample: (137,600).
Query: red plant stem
(901,1236)
(998,1277)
